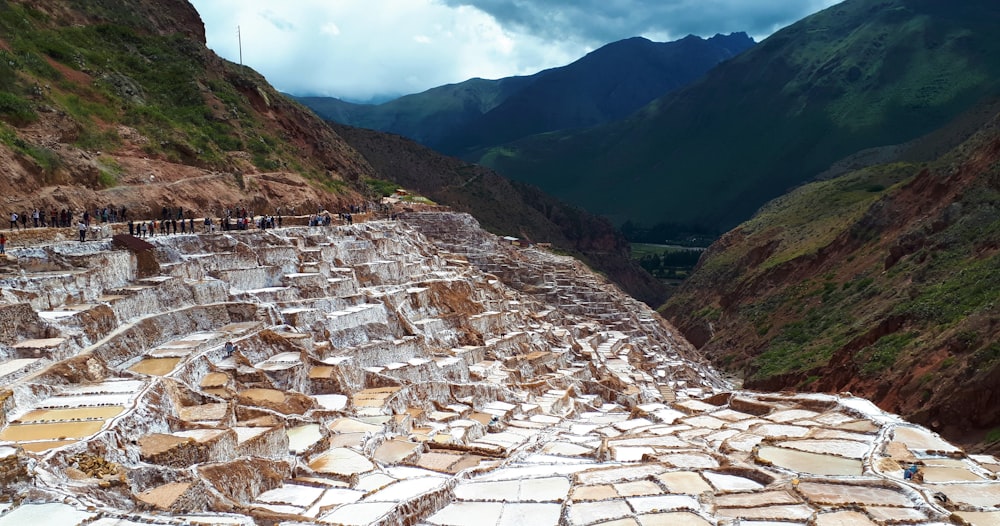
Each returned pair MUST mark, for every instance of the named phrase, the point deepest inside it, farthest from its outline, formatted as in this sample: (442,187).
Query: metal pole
(239,39)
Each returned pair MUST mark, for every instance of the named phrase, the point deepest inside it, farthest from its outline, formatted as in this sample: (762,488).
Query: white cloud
(375,52)
(330,29)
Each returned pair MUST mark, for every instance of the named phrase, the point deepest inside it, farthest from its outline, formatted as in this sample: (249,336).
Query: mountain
(507,207)
(120,104)
(424,117)
(607,84)
(882,282)
(858,75)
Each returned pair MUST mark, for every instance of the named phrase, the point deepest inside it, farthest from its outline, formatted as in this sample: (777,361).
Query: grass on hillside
(939,293)
(106,74)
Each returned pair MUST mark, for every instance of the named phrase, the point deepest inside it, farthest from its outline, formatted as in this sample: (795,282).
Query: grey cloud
(607,20)
(277,21)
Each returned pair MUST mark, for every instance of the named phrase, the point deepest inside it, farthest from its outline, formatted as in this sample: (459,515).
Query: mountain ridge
(595,88)
(857,75)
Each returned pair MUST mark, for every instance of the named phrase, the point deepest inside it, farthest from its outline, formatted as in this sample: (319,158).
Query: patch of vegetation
(961,287)
(91,138)
(993,436)
(263,147)
(325,182)
(16,110)
(382,188)
(109,170)
(803,344)
(709,313)
(985,358)
(48,160)
(83,110)
(883,353)
(155,83)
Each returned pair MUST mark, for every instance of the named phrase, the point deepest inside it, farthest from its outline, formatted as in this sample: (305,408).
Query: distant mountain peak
(606,84)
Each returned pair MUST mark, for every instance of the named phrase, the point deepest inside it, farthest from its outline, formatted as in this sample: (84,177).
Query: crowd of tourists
(172,220)
(40,218)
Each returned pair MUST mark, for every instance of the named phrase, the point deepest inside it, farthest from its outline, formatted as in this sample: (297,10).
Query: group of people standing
(172,220)
(64,218)
(164,226)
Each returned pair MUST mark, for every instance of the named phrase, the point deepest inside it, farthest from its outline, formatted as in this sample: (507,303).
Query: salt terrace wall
(419,371)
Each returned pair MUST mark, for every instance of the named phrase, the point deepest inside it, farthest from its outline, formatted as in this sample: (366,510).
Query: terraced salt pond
(806,462)
(155,366)
(75,413)
(390,380)
(50,431)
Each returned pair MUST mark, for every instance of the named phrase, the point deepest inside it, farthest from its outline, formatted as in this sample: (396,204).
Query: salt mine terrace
(419,371)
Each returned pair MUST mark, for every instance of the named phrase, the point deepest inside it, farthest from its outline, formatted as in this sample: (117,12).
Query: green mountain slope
(117,98)
(424,117)
(883,282)
(861,74)
(607,84)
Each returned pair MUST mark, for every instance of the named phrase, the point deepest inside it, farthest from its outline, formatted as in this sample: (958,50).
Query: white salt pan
(54,513)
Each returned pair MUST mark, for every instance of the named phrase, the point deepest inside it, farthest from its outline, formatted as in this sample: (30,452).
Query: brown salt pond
(53,431)
(805,462)
(831,494)
(155,366)
(38,447)
(74,413)
(921,439)
(394,451)
(215,380)
(341,461)
(374,397)
(263,395)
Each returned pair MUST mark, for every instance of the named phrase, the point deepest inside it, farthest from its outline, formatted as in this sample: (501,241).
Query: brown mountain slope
(883,282)
(506,207)
(116,102)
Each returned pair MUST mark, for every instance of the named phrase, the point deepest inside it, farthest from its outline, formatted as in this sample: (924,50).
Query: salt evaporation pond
(53,431)
(303,437)
(75,413)
(155,366)
(980,518)
(805,462)
(38,447)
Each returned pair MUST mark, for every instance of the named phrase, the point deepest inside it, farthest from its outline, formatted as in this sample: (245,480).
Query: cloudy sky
(363,50)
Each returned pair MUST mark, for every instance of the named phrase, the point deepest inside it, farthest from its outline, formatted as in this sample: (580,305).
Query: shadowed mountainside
(506,207)
(861,74)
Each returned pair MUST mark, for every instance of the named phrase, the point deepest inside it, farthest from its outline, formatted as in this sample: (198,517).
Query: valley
(492,349)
